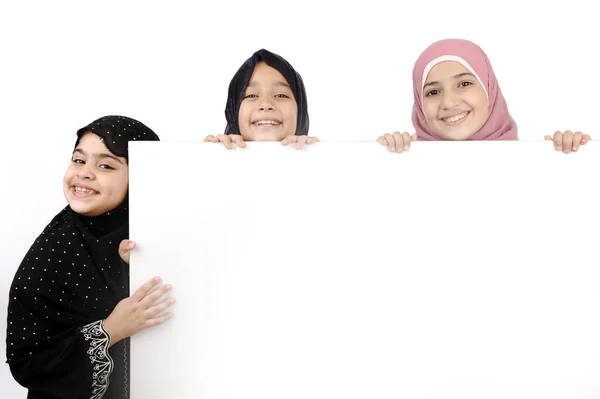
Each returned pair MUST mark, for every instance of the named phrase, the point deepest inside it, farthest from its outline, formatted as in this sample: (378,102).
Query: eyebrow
(99,155)
(278,83)
(458,76)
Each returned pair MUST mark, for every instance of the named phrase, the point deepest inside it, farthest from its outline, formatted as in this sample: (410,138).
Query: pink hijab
(499,126)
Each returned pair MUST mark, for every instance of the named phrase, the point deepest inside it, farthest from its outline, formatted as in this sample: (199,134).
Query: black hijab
(240,82)
(69,282)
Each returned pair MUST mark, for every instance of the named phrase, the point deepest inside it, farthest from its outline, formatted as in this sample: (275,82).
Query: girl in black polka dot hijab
(69,312)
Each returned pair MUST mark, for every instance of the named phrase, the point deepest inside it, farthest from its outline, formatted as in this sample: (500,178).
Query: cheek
(244,115)
(291,118)
(484,106)
(119,187)
(478,101)
(124,187)
(68,176)
(430,111)
(123,191)
(479,104)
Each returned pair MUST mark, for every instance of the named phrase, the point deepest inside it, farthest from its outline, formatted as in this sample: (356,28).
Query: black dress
(68,283)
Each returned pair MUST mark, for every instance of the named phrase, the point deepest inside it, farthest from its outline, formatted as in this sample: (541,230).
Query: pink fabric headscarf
(499,125)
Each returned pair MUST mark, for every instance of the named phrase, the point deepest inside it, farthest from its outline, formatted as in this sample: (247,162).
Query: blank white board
(455,270)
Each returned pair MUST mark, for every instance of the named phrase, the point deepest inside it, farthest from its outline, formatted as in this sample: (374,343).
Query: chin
(82,210)
(456,136)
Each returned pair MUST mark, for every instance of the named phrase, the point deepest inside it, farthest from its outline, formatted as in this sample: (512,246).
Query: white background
(65,63)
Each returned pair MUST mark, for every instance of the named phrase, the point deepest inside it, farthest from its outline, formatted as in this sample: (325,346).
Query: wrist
(112,331)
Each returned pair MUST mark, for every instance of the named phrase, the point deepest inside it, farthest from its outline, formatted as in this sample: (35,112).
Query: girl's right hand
(139,312)
(397,142)
(226,139)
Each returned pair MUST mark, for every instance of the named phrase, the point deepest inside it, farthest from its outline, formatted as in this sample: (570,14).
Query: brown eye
(433,92)
(250,96)
(465,84)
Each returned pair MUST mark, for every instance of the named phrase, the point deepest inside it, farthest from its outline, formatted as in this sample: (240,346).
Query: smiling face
(96,181)
(268,111)
(454,102)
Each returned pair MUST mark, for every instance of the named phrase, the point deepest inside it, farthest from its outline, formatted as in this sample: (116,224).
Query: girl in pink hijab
(457,97)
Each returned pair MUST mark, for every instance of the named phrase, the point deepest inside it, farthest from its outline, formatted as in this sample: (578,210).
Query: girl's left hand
(568,141)
(299,140)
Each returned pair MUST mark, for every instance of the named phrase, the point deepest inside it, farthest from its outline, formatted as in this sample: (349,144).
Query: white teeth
(456,118)
(84,190)
(267,123)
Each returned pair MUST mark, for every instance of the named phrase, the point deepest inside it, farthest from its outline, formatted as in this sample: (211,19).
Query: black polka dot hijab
(241,79)
(117,131)
(71,279)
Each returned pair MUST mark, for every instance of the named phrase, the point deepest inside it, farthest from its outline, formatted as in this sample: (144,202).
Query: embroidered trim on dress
(99,357)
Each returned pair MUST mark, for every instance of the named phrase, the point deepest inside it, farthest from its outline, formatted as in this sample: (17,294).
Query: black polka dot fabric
(117,131)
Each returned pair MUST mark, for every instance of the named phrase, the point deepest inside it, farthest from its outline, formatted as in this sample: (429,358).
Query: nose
(449,99)
(86,172)
(266,105)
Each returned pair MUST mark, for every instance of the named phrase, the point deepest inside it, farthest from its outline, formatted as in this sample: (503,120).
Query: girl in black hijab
(266,102)
(69,313)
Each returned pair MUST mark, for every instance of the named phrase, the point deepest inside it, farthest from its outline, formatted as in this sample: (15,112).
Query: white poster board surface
(456,270)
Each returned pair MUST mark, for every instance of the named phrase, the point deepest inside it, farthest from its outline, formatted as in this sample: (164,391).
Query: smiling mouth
(83,192)
(266,122)
(453,120)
